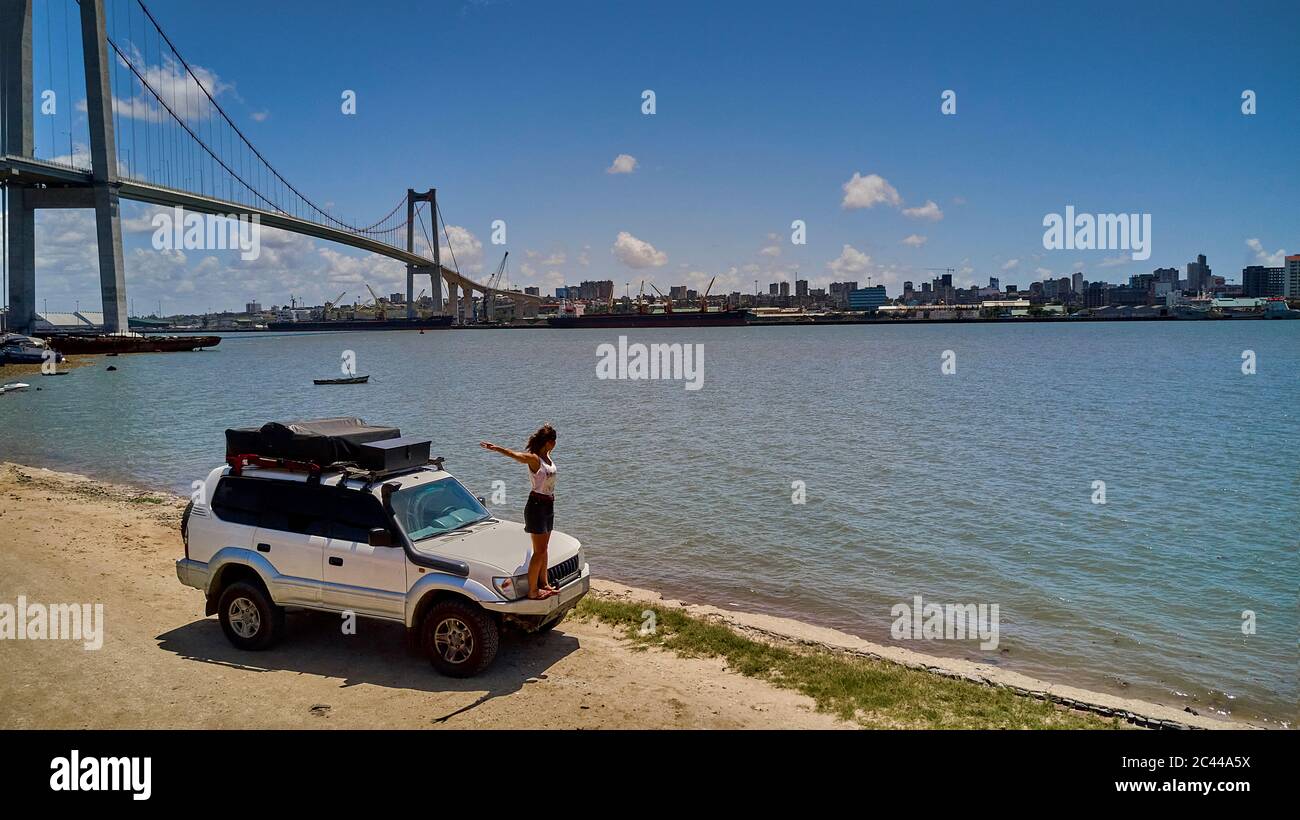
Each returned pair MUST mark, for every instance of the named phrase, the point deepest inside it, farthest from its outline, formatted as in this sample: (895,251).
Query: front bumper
(566,598)
(193,573)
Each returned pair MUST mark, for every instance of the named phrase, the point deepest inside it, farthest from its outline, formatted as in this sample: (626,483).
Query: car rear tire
(248,616)
(460,638)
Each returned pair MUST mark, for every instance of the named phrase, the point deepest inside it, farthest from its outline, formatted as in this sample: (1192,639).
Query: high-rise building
(1291,279)
(1076,282)
(839,292)
(785,290)
(773,289)
(533,291)
(1167,275)
(253,307)
(801,287)
(1199,275)
(867,298)
(1259,281)
(994,283)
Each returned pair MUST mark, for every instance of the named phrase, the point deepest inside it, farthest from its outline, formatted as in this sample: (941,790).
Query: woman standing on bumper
(539,512)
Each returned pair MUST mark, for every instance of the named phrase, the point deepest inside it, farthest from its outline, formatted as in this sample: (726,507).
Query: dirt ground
(163,664)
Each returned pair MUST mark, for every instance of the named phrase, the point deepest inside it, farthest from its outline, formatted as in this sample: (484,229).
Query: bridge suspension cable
(190,142)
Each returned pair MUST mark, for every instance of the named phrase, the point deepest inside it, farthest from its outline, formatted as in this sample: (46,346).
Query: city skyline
(851,141)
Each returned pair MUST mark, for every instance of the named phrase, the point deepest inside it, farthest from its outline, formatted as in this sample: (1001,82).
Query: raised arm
(530,459)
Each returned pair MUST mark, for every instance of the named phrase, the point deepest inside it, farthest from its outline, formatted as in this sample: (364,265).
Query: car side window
(294,506)
(354,514)
(237,501)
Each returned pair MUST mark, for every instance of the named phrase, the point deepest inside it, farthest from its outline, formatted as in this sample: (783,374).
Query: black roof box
(321,441)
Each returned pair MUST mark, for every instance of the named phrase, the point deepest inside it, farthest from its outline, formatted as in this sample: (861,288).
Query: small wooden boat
(346,380)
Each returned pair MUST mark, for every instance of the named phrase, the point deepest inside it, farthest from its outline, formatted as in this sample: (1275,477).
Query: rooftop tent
(322,441)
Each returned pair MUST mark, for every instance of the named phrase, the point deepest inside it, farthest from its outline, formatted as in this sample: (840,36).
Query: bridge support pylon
(20,221)
(435,287)
(103,162)
(24,200)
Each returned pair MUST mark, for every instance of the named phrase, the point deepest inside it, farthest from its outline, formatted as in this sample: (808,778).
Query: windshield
(435,508)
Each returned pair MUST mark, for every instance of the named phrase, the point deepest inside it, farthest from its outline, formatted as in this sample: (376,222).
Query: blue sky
(516,110)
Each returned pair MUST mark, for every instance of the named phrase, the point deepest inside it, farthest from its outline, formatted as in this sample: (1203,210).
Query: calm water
(967,488)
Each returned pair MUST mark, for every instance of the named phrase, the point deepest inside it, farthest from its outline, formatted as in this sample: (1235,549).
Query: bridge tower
(20,226)
(435,288)
(25,199)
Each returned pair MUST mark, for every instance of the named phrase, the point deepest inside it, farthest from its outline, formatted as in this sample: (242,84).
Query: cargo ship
(424,323)
(677,318)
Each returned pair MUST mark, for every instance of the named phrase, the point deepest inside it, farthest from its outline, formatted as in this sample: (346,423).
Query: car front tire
(460,638)
(248,616)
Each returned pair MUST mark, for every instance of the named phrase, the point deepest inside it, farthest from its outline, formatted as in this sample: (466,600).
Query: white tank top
(544,478)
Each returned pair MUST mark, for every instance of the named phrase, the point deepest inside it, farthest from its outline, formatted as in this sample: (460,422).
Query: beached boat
(344,380)
(16,348)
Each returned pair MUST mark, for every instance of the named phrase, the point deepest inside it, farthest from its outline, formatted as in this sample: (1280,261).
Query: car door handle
(336,561)
(263,547)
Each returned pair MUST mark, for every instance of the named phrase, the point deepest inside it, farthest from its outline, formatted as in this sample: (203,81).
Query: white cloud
(1042,273)
(1114,262)
(623,164)
(552,259)
(1011,264)
(850,260)
(929,211)
(637,253)
(869,191)
(466,246)
(1263,257)
(915,240)
(773,246)
(176,87)
(260,116)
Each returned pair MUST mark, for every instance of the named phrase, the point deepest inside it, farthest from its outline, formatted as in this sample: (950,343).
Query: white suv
(400,543)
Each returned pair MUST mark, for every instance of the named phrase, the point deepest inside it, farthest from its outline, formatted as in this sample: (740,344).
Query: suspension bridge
(154,132)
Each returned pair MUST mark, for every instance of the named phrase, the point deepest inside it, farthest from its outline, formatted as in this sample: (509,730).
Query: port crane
(668,303)
(331,304)
(704,300)
(379,307)
(494,281)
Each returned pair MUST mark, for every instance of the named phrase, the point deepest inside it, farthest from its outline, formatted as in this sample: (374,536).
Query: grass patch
(870,692)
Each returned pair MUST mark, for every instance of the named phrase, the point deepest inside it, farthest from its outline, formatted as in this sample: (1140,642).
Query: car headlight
(512,588)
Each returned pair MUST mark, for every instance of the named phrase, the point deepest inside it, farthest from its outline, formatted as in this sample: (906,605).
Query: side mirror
(380,537)
(481,500)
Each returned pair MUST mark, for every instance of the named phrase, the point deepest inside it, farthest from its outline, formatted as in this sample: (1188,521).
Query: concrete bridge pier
(21,238)
(103,160)
(20,225)
(452,302)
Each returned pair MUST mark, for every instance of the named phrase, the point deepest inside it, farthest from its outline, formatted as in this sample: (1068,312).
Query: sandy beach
(67,538)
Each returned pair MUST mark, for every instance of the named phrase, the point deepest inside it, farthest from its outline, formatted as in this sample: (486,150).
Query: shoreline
(783,630)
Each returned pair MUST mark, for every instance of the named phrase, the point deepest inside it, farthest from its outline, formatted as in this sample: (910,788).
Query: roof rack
(314,470)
